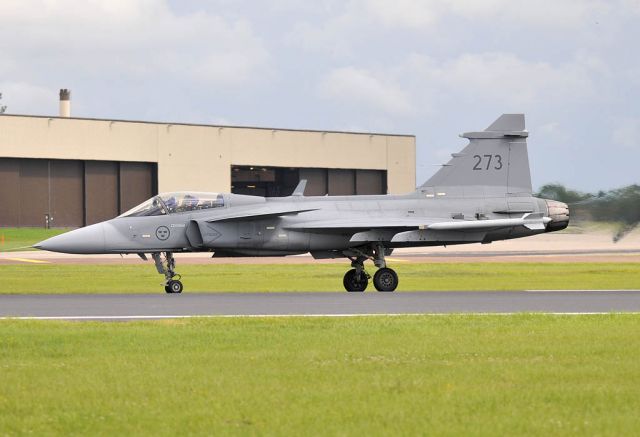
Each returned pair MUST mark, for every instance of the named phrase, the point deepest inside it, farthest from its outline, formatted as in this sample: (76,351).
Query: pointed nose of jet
(85,240)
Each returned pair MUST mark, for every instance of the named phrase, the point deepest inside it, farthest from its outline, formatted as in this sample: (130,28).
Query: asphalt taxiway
(158,306)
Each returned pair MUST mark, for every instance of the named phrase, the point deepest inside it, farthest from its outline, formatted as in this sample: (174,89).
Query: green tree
(2,108)
(560,193)
(621,206)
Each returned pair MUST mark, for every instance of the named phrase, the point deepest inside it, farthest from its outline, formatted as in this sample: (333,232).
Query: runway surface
(158,306)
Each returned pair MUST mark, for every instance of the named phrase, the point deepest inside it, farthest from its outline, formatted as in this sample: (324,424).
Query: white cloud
(327,38)
(422,14)
(420,87)
(423,84)
(354,21)
(502,78)
(550,128)
(21,98)
(413,14)
(563,14)
(626,133)
(633,5)
(133,37)
(362,88)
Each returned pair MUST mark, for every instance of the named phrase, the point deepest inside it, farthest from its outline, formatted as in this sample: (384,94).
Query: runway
(159,306)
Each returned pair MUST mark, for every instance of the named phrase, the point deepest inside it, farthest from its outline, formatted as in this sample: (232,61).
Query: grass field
(24,238)
(408,375)
(66,278)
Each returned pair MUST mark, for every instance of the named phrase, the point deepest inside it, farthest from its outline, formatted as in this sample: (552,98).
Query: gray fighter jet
(482,194)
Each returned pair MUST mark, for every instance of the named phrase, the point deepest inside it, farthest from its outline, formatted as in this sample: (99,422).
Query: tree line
(621,205)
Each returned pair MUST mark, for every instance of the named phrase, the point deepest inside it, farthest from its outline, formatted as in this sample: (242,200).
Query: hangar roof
(207,125)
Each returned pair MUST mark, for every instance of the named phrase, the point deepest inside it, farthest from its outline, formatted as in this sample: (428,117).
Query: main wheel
(354,282)
(173,287)
(385,279)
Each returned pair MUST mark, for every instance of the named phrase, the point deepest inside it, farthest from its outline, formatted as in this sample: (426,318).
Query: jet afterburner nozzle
(559,214)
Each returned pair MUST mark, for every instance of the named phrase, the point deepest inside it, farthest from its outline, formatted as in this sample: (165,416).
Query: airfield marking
(27,260)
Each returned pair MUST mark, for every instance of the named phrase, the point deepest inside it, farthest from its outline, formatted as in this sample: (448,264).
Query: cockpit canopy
(173,203)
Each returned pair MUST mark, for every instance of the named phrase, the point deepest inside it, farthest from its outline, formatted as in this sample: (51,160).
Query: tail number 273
(484,162)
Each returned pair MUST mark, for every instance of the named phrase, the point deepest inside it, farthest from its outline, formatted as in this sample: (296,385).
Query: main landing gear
(357,279)
(167,267)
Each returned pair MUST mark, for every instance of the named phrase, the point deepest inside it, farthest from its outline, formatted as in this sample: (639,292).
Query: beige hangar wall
(196,157)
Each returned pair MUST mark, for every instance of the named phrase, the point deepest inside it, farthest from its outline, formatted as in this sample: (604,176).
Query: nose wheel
(355,281)
(174,286)
(167,267)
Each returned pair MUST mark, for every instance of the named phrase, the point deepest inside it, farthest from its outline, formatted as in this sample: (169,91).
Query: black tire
(353,283)
(174,286)
(167,289)
(385,279)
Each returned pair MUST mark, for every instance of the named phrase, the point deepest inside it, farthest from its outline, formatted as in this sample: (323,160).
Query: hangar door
(70,193)
(279,181)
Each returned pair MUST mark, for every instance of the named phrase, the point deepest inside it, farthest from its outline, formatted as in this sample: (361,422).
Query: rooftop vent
(65,103)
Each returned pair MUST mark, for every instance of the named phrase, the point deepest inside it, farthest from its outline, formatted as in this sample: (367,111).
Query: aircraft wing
(348,225)
(252,212)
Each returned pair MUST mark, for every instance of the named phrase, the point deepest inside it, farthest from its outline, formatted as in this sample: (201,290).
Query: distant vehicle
(482,194)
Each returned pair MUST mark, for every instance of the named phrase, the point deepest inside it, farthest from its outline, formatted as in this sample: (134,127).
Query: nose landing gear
(167,267)
(357,279)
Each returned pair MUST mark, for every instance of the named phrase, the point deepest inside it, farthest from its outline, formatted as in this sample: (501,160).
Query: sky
(430,68)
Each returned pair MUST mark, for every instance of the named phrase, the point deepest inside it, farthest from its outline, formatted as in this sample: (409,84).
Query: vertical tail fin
(495,162)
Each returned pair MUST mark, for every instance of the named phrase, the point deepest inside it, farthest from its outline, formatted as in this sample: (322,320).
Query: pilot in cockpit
(171,204)
(190,202)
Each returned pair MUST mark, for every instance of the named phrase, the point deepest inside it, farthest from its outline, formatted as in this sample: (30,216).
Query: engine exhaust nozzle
(559,214)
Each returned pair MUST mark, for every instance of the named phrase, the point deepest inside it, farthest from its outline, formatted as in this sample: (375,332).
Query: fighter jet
(482,194)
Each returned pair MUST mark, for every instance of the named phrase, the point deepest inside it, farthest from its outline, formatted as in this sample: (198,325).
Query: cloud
(326,38)
(21,97)
(633,5)
(423,84)
(626,133)
(134,37)
(563,14)
(412,14)
(362,88)
(354,22)
(504,78)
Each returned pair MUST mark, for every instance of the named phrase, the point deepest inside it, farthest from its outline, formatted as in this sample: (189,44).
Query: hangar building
(73,172)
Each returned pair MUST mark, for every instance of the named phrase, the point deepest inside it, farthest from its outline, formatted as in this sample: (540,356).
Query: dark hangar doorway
(281,181)
(71,193)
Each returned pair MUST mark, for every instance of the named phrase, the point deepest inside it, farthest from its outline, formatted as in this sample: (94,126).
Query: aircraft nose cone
(89,239)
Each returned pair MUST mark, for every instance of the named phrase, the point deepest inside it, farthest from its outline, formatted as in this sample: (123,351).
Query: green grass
(66,278)
(24,238)
(410,375)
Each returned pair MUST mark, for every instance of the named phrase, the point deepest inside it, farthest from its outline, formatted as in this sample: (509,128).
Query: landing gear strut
(167,267)
(357,278)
